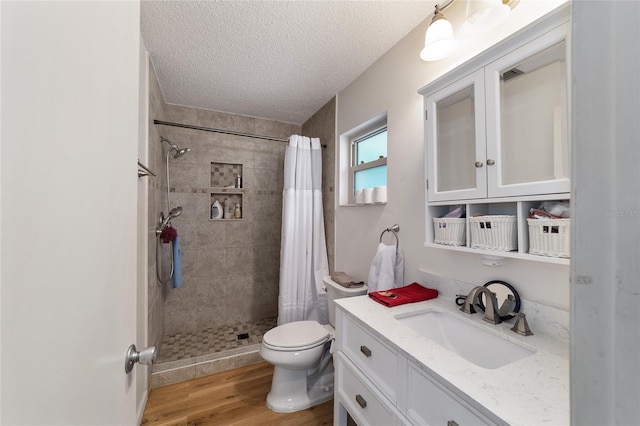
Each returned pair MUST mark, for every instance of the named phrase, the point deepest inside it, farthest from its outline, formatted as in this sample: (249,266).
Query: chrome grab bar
(145,170)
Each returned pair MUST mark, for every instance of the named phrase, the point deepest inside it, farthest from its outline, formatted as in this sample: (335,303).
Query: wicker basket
(550,237)
(494,232)
(449,231)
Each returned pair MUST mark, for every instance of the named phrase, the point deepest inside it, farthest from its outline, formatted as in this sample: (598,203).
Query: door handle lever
(146,356)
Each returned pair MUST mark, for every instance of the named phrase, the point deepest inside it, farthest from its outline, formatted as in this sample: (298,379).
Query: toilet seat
(296,336)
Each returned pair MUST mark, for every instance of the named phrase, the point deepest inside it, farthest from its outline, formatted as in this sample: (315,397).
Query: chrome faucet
(491,311)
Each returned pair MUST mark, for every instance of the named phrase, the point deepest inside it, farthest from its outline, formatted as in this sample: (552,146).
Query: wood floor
(235,397)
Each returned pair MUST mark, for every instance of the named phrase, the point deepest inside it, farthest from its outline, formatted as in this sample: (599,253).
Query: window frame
(366,133)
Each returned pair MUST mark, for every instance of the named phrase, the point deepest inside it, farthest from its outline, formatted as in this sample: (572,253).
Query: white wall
(605,373)
(391,85)
(0,209)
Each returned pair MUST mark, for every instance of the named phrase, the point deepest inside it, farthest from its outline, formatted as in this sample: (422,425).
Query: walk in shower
(230,267)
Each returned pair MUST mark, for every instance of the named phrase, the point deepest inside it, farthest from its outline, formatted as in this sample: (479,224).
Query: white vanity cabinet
(360,397)
(430,403)
(497,132)
(378,360)
(367,372)
(375,384)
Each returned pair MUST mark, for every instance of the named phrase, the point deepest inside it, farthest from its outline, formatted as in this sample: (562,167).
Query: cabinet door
(455,140)
(431,404)
(527,119)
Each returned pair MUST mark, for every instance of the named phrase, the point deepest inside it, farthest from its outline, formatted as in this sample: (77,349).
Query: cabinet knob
(366,351)
(479,164)
(361,402)
(490,162)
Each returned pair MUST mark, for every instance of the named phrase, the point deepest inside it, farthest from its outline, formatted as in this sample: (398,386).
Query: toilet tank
(336,291)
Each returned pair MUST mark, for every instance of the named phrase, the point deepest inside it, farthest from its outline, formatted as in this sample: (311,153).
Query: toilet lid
(296,334)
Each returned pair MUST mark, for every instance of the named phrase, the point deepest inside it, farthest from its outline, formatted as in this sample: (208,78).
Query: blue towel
(176,279)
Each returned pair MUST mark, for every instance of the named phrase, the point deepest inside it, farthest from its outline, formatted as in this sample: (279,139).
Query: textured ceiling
(281,60)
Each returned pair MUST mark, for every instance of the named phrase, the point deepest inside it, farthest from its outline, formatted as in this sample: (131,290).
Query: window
(368,165)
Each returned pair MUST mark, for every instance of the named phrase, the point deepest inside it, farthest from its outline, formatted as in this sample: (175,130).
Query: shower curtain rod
(226,132)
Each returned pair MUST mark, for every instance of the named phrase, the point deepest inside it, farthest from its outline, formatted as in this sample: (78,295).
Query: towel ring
(394,230)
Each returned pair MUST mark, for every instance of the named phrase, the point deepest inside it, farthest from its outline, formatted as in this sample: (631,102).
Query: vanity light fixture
(484,15)
(439,41)
(481,16)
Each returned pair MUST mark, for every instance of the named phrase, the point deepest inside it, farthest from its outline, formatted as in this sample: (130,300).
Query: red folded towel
(408,294)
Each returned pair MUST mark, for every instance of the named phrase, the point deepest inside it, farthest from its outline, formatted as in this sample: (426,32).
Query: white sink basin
(468,340)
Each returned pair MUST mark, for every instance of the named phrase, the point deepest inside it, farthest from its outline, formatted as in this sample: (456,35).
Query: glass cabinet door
(527,119)
(455,140)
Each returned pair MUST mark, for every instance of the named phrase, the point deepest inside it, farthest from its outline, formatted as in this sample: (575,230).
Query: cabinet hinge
(427,183)
(426,114)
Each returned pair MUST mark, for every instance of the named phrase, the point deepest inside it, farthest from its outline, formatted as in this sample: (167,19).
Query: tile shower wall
(323,125)
(157,203)
(230,268)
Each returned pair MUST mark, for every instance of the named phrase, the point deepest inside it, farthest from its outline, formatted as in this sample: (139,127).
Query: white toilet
(303,373)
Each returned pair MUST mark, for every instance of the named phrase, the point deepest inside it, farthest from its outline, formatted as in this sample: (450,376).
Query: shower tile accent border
(191,190)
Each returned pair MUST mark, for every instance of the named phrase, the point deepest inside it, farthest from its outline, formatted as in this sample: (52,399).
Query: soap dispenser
(216,210)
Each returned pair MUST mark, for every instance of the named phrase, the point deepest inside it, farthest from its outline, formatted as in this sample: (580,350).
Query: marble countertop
(531,391)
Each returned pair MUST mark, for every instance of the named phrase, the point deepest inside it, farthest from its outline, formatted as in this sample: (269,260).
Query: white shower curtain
(303,253)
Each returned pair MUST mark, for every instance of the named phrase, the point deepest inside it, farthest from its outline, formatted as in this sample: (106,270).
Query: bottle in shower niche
(237,213)
(228,209)
(216,210)
(238,181)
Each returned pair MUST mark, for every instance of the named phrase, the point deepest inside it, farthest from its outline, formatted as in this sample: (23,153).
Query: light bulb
(439,41)
(484,15)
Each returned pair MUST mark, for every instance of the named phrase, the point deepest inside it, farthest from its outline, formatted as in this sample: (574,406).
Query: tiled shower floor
(213,340)
(186,356)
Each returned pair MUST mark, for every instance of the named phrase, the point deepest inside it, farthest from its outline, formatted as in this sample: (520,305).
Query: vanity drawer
(377,361)
(430,403)
(360,397)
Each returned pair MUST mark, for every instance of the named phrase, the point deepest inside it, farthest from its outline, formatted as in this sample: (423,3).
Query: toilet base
(289,391)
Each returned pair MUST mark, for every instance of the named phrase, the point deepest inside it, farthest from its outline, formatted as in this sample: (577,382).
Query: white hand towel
(387,269)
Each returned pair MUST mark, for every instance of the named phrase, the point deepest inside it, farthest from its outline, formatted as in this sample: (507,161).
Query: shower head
(173,147)
(181,152)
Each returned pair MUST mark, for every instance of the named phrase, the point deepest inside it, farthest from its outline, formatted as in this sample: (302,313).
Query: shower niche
(226,188)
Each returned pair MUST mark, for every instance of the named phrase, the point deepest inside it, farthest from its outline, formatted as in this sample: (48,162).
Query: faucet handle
(467,306)
(460,298)
(507,306)
(521,326)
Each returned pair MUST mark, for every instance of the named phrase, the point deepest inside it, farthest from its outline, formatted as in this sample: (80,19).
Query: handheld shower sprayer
(174,213)
(163,222)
